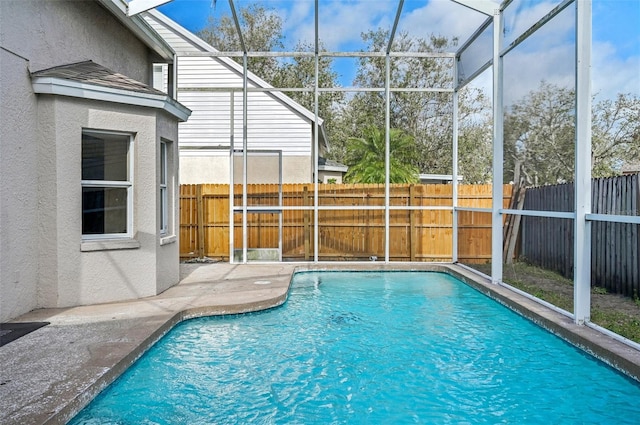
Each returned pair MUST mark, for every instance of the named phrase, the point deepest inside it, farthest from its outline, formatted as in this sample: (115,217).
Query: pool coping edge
(612,352)
(609,350)
(84,398)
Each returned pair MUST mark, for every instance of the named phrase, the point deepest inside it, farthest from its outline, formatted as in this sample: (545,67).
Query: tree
(367,157)
(475,136)
(615,134)
(539,135)
(426,116)
(261,31)
(300,73)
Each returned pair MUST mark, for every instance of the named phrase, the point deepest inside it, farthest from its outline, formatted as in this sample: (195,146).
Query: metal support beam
(232,157)
(245,159)
(238,29)
(488,7)
(498,134)
(582,187)
(316,230)
(323,54)
(245,139)
(395,26)
(454,235)
(387,154)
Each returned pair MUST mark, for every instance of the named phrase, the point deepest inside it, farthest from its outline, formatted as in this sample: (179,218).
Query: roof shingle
(89,72)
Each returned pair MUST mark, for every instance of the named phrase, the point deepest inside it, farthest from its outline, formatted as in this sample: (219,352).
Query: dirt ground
(551,282)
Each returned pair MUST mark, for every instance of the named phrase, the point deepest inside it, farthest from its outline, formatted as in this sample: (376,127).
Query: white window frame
(164,187)
(128,185)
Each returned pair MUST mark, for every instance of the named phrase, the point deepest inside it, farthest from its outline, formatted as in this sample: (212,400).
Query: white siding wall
(175,40)
(271,124)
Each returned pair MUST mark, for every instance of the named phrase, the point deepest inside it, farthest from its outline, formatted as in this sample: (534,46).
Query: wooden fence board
(415,235)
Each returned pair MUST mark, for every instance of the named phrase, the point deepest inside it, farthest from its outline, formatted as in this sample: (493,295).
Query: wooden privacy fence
(414,235)
(615,247)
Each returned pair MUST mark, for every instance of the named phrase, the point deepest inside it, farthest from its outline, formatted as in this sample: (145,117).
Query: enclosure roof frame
(494,12)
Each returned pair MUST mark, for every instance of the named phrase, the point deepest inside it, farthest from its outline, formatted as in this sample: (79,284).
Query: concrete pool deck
(47,376)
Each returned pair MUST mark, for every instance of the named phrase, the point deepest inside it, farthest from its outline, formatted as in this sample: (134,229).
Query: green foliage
(621,323)
(426,116)
(539,135)
(367,154)
(615,134)
(539,130)
(300,73)
(475,135)
(261,31)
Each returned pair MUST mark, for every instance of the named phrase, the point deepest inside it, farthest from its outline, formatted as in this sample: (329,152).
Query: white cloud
(341,23)
(524,71)
(612,74)
(444,18)
(548,55)
(521,15)
(298,14)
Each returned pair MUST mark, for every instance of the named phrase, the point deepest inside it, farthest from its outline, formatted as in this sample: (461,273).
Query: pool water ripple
(350,348)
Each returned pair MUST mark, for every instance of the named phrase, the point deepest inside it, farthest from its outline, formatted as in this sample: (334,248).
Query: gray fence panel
(615,247)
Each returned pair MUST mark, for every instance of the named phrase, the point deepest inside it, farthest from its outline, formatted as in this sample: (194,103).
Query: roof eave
(62,87)
(339,169)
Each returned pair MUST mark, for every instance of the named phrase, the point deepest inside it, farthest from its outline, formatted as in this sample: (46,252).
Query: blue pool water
(367,348)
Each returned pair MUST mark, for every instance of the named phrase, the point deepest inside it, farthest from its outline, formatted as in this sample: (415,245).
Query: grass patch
(559,300)
(614,312)
(623,324)
(598,290)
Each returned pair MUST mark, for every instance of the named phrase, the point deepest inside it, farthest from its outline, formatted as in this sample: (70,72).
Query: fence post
(200,209)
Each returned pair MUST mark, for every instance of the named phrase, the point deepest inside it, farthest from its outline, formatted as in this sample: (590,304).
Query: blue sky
(616,33)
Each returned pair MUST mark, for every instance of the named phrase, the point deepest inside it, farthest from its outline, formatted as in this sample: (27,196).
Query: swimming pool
(362,347)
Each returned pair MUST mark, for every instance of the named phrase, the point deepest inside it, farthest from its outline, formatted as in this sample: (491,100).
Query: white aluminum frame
(244,209)
(582,215)
(582,186)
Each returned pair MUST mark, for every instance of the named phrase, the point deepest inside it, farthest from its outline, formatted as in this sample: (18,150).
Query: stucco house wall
(19,177)
(43,261)
(76,273)
(51,33)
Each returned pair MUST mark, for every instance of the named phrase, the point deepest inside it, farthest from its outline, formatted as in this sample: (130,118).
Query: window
(107,185)
(164,193)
